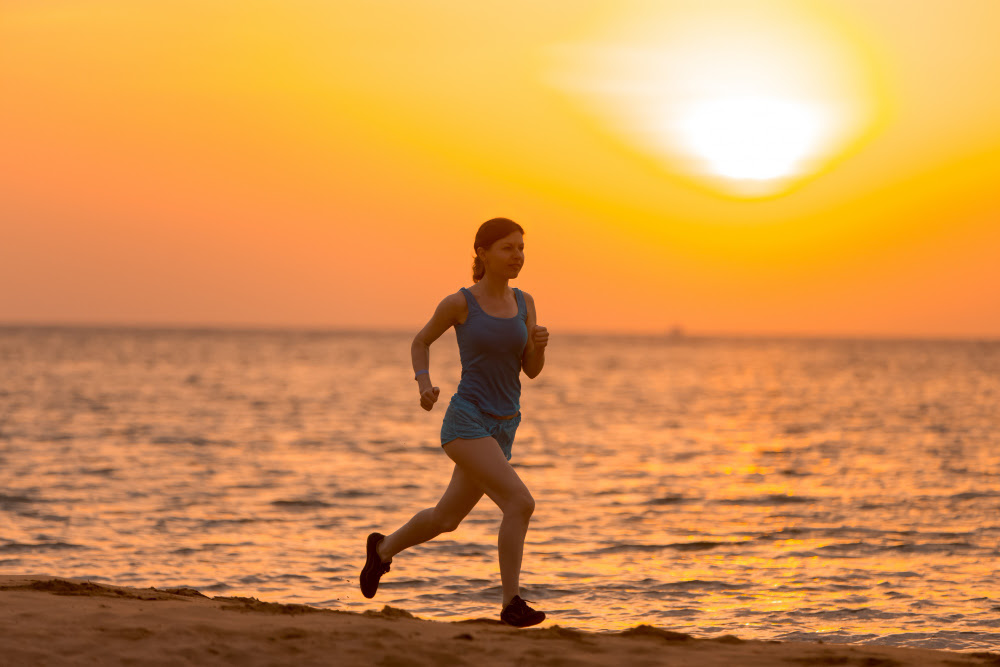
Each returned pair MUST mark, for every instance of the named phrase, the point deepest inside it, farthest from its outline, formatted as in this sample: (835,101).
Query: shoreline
(47,620)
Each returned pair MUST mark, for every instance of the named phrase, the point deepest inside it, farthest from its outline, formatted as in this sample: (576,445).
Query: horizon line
(671,333)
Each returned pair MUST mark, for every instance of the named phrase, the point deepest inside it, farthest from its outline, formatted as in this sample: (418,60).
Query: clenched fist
(428,397)
(540,337)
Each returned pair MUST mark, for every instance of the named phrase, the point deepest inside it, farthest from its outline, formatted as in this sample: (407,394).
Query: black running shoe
(374,567)
(520,615)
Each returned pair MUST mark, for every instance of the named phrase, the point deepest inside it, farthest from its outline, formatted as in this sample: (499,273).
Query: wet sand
(48,620)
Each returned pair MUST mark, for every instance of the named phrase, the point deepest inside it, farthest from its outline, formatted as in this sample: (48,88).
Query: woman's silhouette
(498,337)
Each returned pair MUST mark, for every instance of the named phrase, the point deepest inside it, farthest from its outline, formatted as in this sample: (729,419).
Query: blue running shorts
(465,420)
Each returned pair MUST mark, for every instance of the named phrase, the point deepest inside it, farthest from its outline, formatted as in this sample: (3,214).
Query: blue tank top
(491,348)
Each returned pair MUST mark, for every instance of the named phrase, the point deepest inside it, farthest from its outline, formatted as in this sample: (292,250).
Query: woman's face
(505,257)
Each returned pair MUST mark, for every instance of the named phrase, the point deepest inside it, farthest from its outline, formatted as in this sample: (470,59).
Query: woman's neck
(493,287)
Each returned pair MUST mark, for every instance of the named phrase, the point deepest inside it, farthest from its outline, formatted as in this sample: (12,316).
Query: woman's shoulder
(456,306)
(455,300)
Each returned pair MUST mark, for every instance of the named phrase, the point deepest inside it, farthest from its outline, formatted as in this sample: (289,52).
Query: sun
(747,100)
(755,138)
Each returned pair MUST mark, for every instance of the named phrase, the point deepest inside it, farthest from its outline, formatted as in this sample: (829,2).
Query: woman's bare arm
(533,357)
(447,314)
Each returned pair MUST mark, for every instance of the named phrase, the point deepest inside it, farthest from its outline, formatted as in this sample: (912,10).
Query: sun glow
(748,102)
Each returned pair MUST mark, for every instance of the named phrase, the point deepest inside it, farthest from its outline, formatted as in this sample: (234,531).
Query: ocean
(785,489)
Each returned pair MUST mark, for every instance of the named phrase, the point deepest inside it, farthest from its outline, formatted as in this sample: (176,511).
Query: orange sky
(315,164)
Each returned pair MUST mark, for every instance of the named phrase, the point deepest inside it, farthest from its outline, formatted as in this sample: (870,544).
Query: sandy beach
(48,620)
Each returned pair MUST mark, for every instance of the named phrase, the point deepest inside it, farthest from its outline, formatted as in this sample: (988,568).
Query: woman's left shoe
(520,615)
(374,567)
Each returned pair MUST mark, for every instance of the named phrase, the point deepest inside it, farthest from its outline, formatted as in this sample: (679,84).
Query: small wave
(682,612)
(643,548)
(875,506)
(168,440)
(896,595)
(215,523)
(938,547)
(106,472)
(943,639)
(834,637)
(53,437)
(860,549)
(845,550)
(8,502)
(864,547)
(699,585)
(951,640)
(196,440)
(353,493)
(771,499)
(300,504)
(791,588)
(786,533)
(699,546)
(623,548)
(308,442)
(847,613)
(972,495)
(20,547)
(666,500)
(931,535)
(797,429)
(209,546)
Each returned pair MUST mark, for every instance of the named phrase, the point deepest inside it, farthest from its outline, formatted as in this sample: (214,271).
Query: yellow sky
(307,163)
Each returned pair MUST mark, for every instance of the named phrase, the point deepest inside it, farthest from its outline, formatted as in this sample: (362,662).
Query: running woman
(498,337)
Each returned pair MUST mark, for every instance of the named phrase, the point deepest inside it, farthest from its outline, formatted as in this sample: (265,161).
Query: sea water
(843,490)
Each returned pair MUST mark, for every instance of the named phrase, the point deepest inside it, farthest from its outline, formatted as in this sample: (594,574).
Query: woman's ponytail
(478,269)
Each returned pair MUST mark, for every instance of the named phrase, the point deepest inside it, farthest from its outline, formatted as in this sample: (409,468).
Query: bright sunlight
(752,138)
(745,103)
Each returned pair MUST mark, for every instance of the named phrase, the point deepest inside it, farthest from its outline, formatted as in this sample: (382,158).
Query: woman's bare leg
(458,500)
(483,461)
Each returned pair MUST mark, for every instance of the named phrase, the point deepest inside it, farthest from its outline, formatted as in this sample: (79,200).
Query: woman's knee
(520,505)
(446,523)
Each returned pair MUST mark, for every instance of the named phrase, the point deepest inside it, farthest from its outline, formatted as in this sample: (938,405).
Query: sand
(48,620)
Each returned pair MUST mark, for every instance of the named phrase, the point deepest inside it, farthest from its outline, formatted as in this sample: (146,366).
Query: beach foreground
(48,620)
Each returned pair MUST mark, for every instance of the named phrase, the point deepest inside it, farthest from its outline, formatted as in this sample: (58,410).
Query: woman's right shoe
(374,567)
(520,615)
